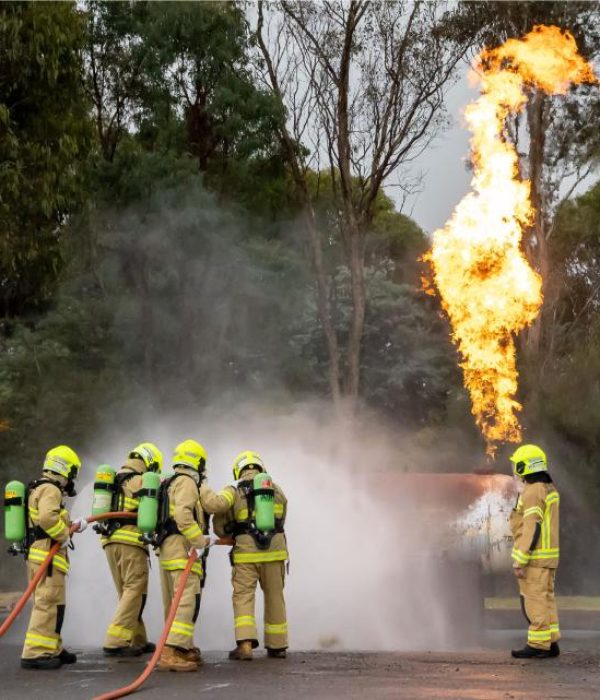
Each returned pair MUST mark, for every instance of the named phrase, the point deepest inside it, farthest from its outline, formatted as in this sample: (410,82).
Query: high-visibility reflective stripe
(179,565)
(228,496)
(543,636)
(278,508)
(182,628)
(553,497)
(39,640)
(276,629)
(245,621)
(519,557)
(56,529)
(259,557)
(192,531)
(536,510)
(34,511)
(171,510)
(37,556)
(554,628)
(125,536)
(120,632)
(131,503)
(544,554)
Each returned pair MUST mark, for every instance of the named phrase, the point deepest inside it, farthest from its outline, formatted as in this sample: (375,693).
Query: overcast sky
(445,177)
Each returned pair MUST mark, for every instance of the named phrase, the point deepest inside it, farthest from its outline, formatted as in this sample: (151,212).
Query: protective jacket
(48,521)
(220,502)
(187,524)
(130,478)
(534,524)
(235,520)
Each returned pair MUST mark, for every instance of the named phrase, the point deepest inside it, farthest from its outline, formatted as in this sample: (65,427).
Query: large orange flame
(487,287)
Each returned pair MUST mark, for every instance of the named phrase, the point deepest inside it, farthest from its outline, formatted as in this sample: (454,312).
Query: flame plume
(487,287)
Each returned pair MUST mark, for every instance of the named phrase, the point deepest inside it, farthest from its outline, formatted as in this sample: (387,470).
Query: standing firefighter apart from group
(535,526)
(49,522)
(127,556)
(258,556)
(183,527)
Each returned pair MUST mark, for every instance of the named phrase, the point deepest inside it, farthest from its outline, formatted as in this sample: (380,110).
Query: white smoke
(364,572)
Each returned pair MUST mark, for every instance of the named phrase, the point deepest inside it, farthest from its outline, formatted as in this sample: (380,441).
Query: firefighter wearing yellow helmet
(535,529)
(184,526)
(49,522)
(258,556)
(127,557)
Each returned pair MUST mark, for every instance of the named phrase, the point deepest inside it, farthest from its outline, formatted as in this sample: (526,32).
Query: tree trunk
(537,247)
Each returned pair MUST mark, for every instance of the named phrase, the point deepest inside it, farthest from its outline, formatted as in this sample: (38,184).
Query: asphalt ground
(480,674)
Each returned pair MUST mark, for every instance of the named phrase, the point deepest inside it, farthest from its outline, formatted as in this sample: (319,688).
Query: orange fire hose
(140,680)
(4,627)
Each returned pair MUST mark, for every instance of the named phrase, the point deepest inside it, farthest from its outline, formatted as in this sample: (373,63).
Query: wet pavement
(488,674)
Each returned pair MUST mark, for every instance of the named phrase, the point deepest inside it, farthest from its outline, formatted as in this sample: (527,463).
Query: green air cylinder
(147,516)
(264,503)
(15,524)
(104,485)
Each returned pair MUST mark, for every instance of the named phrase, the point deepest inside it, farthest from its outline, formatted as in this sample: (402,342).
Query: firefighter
(256,558)
(534,525)
(127,557)
(49,522)
(183,528)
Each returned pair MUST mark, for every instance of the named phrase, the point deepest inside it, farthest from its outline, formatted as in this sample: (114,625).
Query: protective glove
(80,524)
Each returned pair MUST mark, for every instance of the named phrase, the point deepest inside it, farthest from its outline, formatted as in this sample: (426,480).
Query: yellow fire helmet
(245,460)
(150,455)
(191,454)
(529,459)
(62,460)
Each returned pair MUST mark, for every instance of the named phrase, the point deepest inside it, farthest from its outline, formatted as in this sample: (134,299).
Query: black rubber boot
(123,652)
(554,649)
(149,648)
(67,657)
(528,652)
(42,663)
(277,653)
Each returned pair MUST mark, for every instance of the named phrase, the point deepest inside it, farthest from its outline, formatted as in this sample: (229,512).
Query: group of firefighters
(255,558)
(534,524)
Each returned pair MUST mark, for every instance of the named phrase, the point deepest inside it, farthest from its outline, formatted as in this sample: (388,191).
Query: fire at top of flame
(487,287)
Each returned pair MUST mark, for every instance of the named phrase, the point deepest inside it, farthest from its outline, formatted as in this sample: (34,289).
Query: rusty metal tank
(461,516)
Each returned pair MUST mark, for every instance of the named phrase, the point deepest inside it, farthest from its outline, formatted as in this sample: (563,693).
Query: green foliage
(44,137)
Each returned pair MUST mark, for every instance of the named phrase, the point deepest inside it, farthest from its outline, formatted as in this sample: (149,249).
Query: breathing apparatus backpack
(17,529)
(109,497)
(260,524)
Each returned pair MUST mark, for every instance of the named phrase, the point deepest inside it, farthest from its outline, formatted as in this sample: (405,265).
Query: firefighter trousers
(181,634)
(539,606)
(271,577)
(45,624)
(129,568)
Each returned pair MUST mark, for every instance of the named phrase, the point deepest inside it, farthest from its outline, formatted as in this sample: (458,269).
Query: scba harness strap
(108,528)
(248,526)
